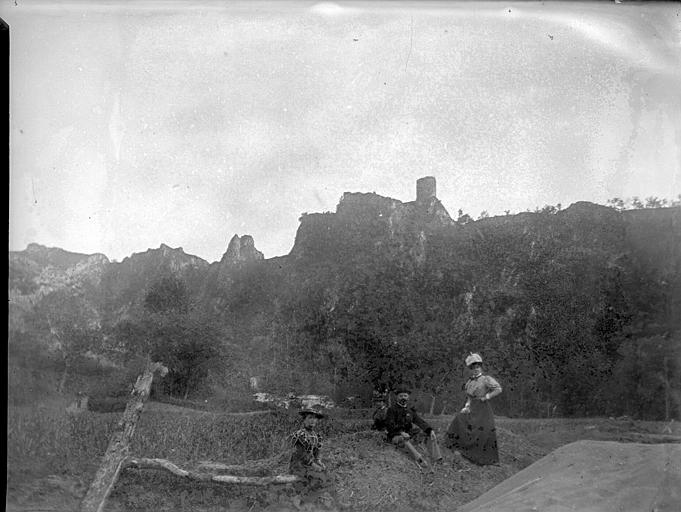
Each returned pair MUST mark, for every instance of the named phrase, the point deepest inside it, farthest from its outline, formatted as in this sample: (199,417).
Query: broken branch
(162,464)
(119,445)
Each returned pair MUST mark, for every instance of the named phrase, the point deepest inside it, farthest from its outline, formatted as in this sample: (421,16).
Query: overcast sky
(185,123)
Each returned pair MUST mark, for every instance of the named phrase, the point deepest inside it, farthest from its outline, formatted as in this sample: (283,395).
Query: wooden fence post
(119,446)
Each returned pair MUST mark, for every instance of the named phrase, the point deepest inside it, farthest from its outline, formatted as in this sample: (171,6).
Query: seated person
(402,423)
(305,459)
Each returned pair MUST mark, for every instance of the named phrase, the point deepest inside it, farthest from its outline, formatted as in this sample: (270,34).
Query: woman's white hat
(473,358)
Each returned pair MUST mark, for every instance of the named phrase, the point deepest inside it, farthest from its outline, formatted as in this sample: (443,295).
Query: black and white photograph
(362,256)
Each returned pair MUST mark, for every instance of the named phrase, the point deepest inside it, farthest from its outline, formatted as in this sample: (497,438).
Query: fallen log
(257,467)
(165,465)
(219,466)
(119,445)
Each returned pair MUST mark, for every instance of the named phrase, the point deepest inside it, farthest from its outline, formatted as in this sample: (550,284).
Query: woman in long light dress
(472,431)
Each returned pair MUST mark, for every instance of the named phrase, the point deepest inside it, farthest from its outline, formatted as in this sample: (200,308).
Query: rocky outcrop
(241,250)
(39,271)
(53,256)
(366,232)
(369,220)
(240,257)
(45,268)
(652,235)
(125,283)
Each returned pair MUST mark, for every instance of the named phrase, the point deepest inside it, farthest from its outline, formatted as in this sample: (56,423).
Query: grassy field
(52,456)
(69,443)
(46,444)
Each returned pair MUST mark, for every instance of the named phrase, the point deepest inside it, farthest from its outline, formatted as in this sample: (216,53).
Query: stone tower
(425,189)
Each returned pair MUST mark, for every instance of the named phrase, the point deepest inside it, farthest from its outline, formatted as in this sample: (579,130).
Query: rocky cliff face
(53,256)
(124,284)
(39,270)
(654,235)
(44,268)
(240,256)
(115,287)
(365,232)
(241,250)
(364,221)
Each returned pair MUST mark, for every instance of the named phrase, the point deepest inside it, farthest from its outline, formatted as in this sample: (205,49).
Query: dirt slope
(369,475)
(373,476)
(599,476)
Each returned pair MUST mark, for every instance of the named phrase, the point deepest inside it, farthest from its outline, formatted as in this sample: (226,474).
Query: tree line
(566,316)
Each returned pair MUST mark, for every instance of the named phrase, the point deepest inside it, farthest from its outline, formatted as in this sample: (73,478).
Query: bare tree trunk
(119,445)
(166,465)
(432,404)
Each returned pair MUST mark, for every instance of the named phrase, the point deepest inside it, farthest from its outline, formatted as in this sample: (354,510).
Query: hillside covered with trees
(577,311)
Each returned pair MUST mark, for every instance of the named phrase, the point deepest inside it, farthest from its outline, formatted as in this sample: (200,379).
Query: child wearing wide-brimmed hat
(306,445)
(306,460)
